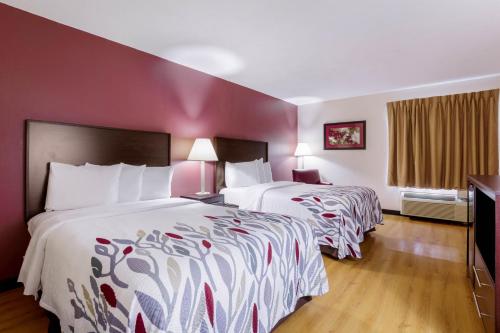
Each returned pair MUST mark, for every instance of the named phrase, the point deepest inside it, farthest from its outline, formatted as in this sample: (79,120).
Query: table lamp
(301,151)
(202,151)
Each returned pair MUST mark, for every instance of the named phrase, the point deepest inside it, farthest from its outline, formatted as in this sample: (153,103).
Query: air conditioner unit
(435,206)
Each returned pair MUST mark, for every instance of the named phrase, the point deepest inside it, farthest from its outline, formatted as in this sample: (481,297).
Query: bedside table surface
(195,196)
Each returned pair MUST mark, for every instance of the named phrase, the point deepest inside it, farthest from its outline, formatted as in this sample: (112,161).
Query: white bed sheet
(248,196)
(233,196)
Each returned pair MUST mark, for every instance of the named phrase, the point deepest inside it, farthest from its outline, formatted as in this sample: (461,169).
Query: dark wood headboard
(236,150)
(77,144)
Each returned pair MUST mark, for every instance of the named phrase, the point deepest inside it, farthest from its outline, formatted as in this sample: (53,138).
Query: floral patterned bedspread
(340,214)
(186,267)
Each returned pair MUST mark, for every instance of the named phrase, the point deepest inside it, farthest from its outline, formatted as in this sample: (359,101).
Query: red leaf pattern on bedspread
(127,250)
(238,230)
(171,235)
(102,241)
(206,244)
(255,318)
(109,294)
(209,299)
(297,251)
(139,324)
(351,250)
(269,253)
(297,199)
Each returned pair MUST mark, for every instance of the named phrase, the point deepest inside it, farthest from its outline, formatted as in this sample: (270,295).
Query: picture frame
(345,135)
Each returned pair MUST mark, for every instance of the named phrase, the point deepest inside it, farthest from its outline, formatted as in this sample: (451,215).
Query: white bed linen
(233,196)
(191,267)
(251,197)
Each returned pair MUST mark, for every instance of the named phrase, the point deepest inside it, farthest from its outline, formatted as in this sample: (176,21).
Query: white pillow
(268,174)
(130,183)
(241,174)
(260,169)
(72,187)
(157,183)
(264,169)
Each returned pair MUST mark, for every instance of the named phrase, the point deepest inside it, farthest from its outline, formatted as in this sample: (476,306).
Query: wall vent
(436,206)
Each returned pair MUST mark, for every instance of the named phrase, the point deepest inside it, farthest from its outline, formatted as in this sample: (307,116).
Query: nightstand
(212,198)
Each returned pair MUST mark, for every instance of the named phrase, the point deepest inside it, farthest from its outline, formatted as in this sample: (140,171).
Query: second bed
(341,215)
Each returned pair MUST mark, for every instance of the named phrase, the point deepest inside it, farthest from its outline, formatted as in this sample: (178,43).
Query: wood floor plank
(412,279)
(21,314)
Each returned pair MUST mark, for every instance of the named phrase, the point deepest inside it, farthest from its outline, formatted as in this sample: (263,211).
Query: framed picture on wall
(345,135)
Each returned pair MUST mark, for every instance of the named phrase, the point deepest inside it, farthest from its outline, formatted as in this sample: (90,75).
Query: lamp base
(202,193)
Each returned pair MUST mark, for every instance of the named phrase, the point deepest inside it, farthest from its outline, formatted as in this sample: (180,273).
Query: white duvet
(171,266)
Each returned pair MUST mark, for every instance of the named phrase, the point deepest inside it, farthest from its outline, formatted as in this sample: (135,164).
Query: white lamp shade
(303,149)
(202,150)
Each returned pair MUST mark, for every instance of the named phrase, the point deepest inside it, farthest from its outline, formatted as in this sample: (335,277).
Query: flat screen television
(484,228)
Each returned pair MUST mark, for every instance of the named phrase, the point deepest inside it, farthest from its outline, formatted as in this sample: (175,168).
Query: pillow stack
(72,187)
(246,174)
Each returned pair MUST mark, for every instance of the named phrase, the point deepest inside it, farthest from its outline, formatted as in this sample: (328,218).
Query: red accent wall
(52,72)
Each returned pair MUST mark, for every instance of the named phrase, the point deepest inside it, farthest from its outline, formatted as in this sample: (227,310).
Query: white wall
(367,167)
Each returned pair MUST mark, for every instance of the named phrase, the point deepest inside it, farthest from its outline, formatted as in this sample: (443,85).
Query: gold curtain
(436,142)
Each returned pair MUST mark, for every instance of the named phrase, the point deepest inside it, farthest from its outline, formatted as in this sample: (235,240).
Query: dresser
(483,245)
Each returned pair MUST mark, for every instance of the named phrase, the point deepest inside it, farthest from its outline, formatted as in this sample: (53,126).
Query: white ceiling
(290,48)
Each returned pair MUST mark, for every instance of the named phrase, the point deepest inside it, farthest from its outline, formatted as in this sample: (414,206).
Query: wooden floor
(412,279)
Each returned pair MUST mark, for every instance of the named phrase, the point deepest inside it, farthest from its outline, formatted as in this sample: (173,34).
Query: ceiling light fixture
(208,59)
(301,100)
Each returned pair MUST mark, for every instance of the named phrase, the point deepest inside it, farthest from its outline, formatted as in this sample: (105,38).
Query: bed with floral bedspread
(341,215)
(171,266)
